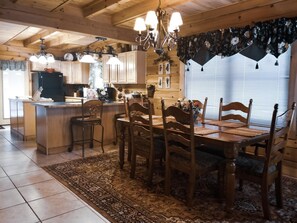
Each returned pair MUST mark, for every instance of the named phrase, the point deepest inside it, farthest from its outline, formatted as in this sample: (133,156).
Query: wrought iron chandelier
(42,56)
(157,35)
(91,56)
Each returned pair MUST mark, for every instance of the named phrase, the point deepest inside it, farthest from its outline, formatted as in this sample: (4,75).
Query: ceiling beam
(142,8)
(238,15)
(36,38)
(60,21)
(97,7)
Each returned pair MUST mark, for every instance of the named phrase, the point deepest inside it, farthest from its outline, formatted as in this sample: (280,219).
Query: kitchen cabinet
(136,67)
(75,72)
(131,71)
(106,68)
(35,66)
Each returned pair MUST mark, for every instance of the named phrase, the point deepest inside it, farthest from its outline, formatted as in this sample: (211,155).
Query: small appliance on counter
(111,93)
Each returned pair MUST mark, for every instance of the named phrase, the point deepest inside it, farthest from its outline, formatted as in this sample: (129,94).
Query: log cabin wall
(170,95)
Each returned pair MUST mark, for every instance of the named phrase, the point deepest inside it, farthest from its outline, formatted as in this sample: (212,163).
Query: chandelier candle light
(91,56)
(42,57)
(156,33)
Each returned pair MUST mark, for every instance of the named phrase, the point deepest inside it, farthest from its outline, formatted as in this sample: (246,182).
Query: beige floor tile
(77,216)
(20,168)
(30,178)
(41,190)
(5,184)
(18,214)
(12,160)
(10,198)
(2,173)
(55,205)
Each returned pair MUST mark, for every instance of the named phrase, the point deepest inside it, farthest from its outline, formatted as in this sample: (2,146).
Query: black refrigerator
(52,84)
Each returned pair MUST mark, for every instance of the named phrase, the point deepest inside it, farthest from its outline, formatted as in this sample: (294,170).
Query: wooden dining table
(230,137)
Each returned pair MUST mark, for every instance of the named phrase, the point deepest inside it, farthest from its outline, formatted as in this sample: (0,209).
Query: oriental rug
(100,182)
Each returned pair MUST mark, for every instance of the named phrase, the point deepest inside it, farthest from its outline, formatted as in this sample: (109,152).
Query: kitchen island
(53,124)
(22,117)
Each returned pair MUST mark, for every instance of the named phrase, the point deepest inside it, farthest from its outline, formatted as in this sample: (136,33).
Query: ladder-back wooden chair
(267,170)
(202,106)
(229,111)
(144,142)
(181,151)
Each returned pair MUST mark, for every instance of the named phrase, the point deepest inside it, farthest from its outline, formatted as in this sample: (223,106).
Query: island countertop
(72,104)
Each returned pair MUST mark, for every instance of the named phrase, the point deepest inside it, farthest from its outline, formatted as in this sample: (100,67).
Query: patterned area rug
(99,181)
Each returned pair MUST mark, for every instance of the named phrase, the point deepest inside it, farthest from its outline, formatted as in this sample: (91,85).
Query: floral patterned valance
(271,37)
(12,65)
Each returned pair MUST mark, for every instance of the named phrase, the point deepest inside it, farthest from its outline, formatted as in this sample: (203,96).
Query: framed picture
(167,67)
(160,82)
(167,82)
(160,68)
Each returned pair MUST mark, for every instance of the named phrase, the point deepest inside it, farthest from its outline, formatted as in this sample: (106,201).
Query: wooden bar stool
(91,116)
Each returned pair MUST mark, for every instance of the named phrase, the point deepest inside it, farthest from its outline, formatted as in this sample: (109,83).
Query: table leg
(122,145)
(230,185)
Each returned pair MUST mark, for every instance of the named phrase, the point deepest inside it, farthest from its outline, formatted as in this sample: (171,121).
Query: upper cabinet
(131,71)
(35,66)
(75,72)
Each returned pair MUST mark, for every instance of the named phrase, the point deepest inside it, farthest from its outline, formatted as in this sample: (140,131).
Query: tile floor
(28,194)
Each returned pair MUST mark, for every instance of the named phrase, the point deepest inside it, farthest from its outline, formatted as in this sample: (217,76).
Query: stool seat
(91,117)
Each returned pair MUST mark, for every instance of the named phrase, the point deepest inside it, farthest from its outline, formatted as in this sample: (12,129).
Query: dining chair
(91,116)
(230,111)
(267,170)
(123,115)
(181,151)
(236,111)
(202,106)
(144,142)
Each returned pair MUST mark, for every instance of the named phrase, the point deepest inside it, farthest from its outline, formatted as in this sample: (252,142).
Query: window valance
(12,65)
(272,37)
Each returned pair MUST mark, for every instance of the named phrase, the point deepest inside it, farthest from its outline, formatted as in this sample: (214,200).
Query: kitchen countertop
(72,104)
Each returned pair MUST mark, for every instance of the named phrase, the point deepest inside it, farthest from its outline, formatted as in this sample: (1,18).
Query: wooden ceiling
(69,25)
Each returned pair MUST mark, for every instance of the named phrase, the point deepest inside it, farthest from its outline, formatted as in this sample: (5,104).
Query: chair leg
(102,138)
(133,164)
(83,142)
(91,136)
(191,189)
(115,140)
(278,192)
(265,202)
(167,177)
(71,133)
(129,146)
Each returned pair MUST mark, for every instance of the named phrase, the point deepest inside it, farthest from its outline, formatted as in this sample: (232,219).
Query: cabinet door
(122,69)
(56,65)
(113,73)
(105,72)
(131,67)
(66,70)
(80,72)
(35,66)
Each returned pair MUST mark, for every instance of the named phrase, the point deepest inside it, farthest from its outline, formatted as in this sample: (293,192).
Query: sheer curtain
(236,79)
(14,82)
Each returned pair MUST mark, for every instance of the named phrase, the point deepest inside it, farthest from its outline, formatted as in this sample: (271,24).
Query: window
(14,84)
(236,79)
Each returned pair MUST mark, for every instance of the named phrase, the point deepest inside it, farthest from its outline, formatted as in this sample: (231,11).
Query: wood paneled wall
(176,75)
